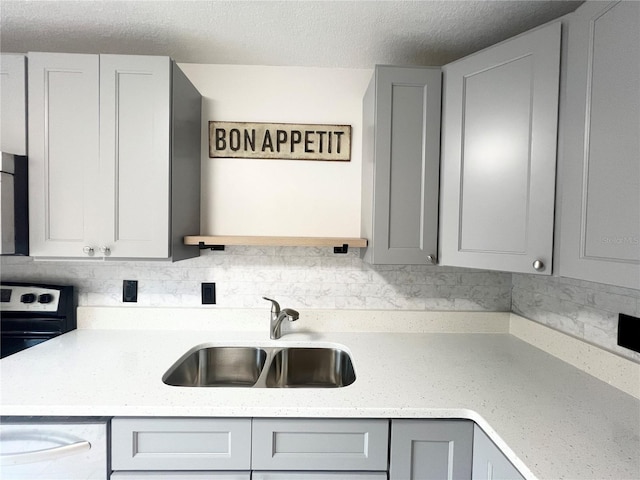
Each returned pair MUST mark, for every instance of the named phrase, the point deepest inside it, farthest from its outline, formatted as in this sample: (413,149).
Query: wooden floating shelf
(211,240)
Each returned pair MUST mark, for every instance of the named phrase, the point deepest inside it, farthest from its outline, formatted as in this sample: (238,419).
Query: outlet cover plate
(129,290)
(629,332)
(208,292)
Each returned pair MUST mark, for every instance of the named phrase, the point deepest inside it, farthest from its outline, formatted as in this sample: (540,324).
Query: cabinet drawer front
(181,444)
(319,476)
(319,444)
(181,476)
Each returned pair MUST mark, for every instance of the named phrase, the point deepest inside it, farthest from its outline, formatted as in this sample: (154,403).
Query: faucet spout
(277,316)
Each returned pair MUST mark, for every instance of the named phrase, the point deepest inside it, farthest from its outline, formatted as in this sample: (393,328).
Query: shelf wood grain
(275,241)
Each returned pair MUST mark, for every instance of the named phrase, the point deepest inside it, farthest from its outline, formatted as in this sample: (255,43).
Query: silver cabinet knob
(88,251)
(106,251)
(432,259)
(538,265)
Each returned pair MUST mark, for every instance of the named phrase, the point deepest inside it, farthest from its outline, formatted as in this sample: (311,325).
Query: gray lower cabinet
(599,166)
(431,449)
(304,449)
(499,143)
(165,444)
(489,463)
(319,444)
(400,165)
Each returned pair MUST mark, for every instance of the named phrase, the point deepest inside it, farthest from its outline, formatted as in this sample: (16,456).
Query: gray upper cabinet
(114,143)
(431,449)
(500,111)
(13,104)
(401,155)
(600,159)
(489,463)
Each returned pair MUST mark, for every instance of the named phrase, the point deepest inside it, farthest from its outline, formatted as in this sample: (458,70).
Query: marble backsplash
(317,278)
(296,277)
(585,310)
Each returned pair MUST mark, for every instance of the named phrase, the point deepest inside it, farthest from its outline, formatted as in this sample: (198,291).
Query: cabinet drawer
(181,476)
(318,444)
(319,476)
(181,444)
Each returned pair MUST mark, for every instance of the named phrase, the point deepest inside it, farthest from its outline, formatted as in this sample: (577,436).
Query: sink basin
(218,367)
(262,367)
(310,367)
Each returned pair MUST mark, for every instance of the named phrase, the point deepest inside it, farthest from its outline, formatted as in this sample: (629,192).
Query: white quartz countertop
(551,420)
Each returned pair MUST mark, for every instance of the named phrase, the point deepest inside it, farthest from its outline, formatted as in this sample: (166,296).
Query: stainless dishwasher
(53,448)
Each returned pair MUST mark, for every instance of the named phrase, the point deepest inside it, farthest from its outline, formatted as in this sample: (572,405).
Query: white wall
(280,197)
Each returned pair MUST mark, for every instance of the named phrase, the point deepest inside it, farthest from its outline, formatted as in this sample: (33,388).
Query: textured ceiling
(351,34)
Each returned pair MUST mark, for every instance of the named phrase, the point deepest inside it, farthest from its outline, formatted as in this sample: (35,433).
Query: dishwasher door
(60,448)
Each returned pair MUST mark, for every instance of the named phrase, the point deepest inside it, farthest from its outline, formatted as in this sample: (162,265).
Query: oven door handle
(44,455)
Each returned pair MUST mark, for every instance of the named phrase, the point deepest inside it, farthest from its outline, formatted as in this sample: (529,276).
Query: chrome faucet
(277,316)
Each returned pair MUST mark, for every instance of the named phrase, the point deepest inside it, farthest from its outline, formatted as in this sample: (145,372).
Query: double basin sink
(262,367)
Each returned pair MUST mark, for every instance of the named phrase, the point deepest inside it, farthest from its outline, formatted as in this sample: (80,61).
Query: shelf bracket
(203,246)
(343,249)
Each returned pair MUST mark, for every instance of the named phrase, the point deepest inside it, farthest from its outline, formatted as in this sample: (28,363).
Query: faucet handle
(275,306)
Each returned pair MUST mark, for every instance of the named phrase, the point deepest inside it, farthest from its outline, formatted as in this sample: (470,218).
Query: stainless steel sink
(310,367)
(262,367)
(217,366)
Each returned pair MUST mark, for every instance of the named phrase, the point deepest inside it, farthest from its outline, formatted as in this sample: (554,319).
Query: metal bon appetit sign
(289,141)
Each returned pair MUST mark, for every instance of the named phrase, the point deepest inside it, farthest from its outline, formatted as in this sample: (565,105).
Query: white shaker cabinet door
(600,162)
(135,162)
(13,104)
(63,154)
(500,110)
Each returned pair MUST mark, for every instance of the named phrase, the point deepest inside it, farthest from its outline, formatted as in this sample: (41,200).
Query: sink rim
(272,350)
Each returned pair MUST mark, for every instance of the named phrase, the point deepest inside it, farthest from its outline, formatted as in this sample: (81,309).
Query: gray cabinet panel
(319,476)
(431,449)
(186,109)
(63,153)
(135,123)
(181,444)
(497,100)
(401,150)
(500,109)
(319,444)
(489,463)
(181,476)
(600,167)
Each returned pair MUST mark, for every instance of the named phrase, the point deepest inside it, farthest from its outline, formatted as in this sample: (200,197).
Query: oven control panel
(14,298)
